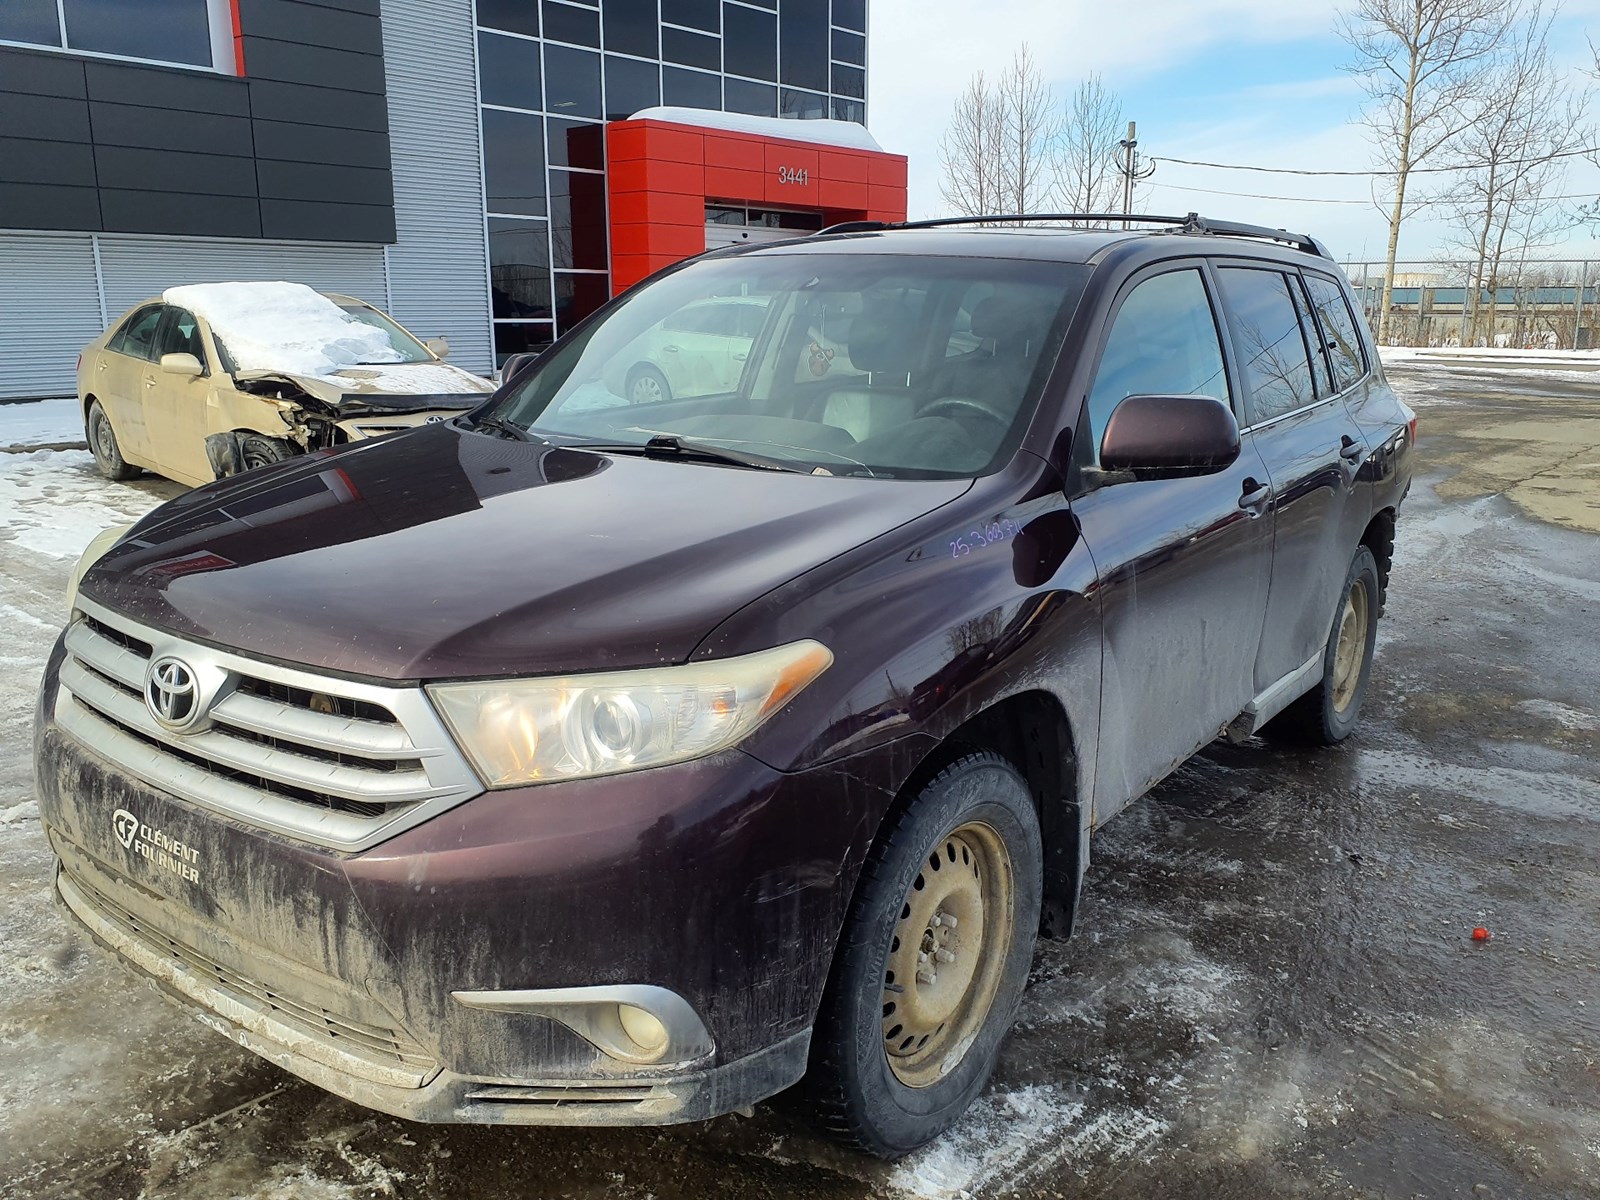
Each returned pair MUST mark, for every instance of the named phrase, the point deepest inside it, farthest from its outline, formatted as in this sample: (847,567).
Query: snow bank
(283,327)
(1499,354)
(847,134)
(41,423)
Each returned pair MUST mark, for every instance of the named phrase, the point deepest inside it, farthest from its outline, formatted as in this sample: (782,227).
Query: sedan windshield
(407,347)
(836,363)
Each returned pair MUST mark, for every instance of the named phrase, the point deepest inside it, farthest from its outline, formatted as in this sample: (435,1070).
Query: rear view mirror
(181,364)
(439,346)
(1164,437)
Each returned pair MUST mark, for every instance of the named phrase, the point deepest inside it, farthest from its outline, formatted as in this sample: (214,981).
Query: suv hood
(449,554)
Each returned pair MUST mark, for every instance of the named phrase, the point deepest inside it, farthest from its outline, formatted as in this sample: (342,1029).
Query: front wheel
(1328,713)
(932,960)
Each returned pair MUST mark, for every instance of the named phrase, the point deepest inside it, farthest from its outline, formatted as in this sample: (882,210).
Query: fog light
(644,1028)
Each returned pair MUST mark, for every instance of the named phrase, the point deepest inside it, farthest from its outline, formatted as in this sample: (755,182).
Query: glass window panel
(698,14)
(803,43)
(1163,342)
(578,220)
(571,82)
(1276,368)
(1308,330)
(518,16)
(690,89)
(165,30)
(850,110)
(508,71)
(577,144)
(806,106)
(850,47)
(749,42)
(1338,330)
(180,335)
(852,14)
(771,4)
(691,49)
(567,24)
(519,268)
(138,333)
(631,27)
(757,99)
(513,162)
(521,338)
(579,295)
(32,21)
(850,81)
(631,85)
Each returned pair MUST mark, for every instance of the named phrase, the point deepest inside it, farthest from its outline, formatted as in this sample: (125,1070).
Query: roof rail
(1193,223)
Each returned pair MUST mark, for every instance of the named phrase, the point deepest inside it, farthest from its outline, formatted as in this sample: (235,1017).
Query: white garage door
(49,310)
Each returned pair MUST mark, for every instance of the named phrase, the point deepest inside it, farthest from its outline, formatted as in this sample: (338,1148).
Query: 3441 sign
(799,175)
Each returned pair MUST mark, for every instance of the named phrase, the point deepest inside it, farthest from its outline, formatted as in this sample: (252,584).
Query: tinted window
(850,110)
(1276,370)
(700,14)
(630,26)
(690,89)
(852,14)
(1338,330)
(804,106)
(181,335)
(508,71)
(1308,331)
(631,85)
(578,220)
(520,338)
(749,42)
(165,30)
(513,162)
(519,16)
(571,82)
(138,334)
(577,143)
(850,47)
(519,268)
(565,23)
(757,99)
(1163,342)
(691,49)
(579,295)
(803,43)
(30,21)
(850,81)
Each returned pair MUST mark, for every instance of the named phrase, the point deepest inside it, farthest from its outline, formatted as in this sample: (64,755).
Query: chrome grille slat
(269,753)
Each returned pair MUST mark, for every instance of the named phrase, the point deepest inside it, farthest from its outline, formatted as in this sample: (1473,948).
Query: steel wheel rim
(1351,648)
(947,954)
(101,429)
(646,389)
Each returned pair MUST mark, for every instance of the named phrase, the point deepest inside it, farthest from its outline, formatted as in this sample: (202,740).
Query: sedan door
(1183,564)
(175,405)
(118,382)
(1313,451)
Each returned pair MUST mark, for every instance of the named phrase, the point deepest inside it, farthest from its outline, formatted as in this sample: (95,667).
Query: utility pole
(1130,169)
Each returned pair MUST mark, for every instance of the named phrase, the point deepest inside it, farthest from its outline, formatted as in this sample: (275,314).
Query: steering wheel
(961,406)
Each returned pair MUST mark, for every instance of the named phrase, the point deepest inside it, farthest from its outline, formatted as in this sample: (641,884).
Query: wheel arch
(1378,537)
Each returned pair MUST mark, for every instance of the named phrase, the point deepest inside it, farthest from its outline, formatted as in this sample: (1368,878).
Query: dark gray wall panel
(48,118)
(124,83)
(168,129)
(48,206)
(370,7)
(180,212)
(175,171)
(319,66)
(294,219)
(303,104)
(70,163)
(315,181)
(313,143)
(311,25)
(41,74)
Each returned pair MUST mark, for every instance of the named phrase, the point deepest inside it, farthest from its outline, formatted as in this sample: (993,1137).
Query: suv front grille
(339,763)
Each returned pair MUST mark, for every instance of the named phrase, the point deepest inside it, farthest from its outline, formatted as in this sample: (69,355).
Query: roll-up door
(49,310)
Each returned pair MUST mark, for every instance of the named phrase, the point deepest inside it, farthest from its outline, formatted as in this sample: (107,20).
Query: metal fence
(1552,305)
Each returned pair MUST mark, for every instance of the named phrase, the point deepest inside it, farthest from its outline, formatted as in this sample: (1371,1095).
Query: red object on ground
(1480,934)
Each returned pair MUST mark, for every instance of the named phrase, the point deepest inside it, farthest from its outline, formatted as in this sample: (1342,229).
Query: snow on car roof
(287,327)
(848,134)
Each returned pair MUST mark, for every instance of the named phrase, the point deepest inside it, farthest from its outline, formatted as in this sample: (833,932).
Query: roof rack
(1193,223)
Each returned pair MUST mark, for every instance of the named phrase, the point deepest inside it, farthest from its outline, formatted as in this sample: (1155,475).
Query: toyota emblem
(172,693)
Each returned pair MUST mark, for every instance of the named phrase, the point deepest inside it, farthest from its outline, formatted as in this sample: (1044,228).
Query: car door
(1183,565)
(1313,451)
(175,405)
(119,382)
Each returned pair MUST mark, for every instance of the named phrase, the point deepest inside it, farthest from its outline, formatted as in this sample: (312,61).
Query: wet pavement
(1274,989)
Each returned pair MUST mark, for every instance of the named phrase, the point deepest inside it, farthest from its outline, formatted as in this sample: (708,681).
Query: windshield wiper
(669,445)
(505,428)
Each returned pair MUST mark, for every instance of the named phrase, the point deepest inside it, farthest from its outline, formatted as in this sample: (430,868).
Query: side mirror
(181,364)
(1165,437)
(515,363)
(439,346)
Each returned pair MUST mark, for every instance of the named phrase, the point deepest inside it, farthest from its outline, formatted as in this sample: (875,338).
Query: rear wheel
(103,445)
(646,385)
(1328,713)
(932,961)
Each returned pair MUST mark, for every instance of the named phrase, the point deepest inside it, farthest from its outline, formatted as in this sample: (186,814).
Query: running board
(1274,700)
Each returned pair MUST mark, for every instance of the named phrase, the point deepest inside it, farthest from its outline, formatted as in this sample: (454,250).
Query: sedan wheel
(102,440)
(646,385)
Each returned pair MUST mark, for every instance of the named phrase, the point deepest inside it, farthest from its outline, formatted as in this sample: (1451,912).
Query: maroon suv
(604,758)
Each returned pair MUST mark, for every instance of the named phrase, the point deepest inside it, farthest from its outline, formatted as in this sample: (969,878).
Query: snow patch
(846,134)
(415,379)
(41,422)
(1575,719)
(56,502)
(287,327)
(28,810)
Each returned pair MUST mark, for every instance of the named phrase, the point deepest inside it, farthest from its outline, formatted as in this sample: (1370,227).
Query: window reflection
(692,89)
(565,23)
(519,267)
(631,27)
(757,99)
(749,42)
(513,162)
(571,82)
(508,71)
(577,143)
(578,220)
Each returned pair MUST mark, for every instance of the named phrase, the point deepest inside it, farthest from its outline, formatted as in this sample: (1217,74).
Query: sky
(1254,82)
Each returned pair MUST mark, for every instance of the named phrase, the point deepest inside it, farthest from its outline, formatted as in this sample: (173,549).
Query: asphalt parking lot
(1274,989)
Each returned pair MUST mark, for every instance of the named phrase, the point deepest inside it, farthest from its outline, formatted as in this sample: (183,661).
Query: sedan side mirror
(440,346)
(1166,437)
(181,364)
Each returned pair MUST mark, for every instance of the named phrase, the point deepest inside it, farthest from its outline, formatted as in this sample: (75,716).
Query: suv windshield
(863,364)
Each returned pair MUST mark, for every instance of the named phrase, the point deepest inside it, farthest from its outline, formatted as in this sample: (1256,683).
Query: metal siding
(438,266)
(49,310)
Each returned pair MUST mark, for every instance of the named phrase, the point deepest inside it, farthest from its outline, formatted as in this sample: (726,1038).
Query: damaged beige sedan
(212,379)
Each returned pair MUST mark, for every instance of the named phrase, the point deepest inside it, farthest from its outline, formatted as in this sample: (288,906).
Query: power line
(1178,187)
(1190,162)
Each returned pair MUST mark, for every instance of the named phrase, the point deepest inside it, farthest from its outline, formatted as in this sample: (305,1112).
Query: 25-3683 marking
(1002,530)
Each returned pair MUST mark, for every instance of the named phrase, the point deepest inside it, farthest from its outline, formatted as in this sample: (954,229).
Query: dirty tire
(103,444)
(1328,713)
(646,385)
(258,451)
(860,1093)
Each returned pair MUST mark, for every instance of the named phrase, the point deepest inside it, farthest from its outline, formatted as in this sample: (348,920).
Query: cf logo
(172,694)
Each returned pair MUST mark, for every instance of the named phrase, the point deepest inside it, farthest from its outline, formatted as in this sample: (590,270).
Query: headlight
(536,730)
(93,553)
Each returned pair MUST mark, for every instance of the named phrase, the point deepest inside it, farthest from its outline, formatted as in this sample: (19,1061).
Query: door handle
(149,381)
(1256,495)
(740,357)
(1351,450)
(669,349)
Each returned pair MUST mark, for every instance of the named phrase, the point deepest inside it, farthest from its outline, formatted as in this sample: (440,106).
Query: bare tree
(1086,175)
(996,151)
(1029,109)
(970,150)
(1422,63)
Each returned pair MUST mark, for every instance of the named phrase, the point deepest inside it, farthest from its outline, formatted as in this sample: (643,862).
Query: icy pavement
(1273,989)
(32,423)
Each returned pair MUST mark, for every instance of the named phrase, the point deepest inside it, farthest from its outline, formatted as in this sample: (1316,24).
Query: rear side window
(138,333)
(1313,339)
(1163,342)
(1277,369)
(1339,335)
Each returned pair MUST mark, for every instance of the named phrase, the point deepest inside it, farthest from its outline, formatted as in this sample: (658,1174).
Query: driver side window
(1163,342)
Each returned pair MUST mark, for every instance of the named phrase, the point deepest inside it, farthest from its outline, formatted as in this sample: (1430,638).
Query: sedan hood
(384,379)
(451,554)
